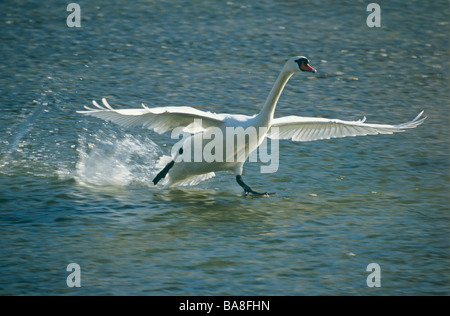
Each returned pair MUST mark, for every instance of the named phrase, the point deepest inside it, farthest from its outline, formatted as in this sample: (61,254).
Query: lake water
(76,189)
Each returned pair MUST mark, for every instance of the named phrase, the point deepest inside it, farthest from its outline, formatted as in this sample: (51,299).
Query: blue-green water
(77,189)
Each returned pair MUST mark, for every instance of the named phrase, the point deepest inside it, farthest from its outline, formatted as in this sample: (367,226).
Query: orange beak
(307,67)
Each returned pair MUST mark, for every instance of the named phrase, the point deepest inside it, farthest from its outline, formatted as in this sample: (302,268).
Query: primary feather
(305,129)
(159,119)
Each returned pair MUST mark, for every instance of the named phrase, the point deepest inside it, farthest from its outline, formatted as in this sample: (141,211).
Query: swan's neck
(268,109)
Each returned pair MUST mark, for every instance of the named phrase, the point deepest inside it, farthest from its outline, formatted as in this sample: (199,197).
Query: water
(77,189)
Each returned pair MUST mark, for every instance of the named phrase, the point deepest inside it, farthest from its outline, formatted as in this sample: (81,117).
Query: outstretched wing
(304,129)
(160,119)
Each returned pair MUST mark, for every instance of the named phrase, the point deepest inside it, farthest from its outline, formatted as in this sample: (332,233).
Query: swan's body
(164,119)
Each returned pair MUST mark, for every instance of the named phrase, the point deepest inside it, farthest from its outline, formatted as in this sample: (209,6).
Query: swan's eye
(303,64)
(300,61)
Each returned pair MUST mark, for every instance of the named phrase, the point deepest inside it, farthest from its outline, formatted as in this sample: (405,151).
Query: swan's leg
(162,174)
(247,189)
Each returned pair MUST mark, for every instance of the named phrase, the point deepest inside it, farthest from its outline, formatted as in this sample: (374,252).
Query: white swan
(297,128)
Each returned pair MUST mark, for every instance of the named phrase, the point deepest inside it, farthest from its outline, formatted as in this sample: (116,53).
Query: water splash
(25,126)
(19,130)
(111,160)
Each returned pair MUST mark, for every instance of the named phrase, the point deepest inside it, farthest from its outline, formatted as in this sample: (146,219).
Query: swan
(296,128)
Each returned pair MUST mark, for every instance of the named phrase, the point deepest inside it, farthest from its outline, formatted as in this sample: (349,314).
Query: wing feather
(305,129)
(159,119)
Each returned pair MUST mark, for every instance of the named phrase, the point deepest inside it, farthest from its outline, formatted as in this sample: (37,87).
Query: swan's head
(299,63)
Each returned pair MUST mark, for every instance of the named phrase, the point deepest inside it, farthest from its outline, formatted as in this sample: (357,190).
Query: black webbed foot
(249,191)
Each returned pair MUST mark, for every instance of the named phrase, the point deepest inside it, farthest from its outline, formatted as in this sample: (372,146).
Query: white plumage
(305,129)
(296,128)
